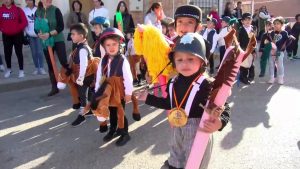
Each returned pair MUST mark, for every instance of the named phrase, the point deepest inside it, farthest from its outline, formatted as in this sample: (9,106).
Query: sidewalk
(30,80)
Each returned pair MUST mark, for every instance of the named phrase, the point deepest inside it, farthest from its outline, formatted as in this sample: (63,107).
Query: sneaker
(53,92)
(280,80)
(271,81)
(296,57)
(7,74)
(123,140)
(21,74)
(42,71)
(78,121)
(291,57)
(88,114)
(76,106)
(35,72)
(109,136)
(103,129)
(2,68)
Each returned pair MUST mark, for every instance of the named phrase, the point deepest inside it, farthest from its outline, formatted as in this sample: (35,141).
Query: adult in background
(154,15)
(12,25)
(127,27)
(99,10)
(75,17)
(54,18)
(34,41)
(238,10)
(263,16)
(214,13)
(228,10)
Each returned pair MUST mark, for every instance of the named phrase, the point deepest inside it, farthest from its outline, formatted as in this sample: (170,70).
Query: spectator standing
(238,10)
(53,16)
(154,15)
(295,32)
(99,10)
(12,25)
(34,42)
(228,10)
(263,16)
(75,17)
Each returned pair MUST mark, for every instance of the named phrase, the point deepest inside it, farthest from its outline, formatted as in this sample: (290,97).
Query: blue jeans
(37,52)
(1,63)
(280,67)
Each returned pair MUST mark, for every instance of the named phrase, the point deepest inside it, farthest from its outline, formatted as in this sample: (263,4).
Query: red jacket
(12,21)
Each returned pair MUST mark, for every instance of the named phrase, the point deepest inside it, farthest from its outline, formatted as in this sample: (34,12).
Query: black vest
(76,57)
(116,66)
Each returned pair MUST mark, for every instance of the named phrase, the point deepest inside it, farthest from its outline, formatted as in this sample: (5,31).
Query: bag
(69,37)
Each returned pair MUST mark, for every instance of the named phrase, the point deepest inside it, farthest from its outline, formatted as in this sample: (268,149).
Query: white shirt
(29,13)
(83,62)
(215,39)
(222,34)
(102,11)
(151,19)
(264,15)
(127,76)
(130,48)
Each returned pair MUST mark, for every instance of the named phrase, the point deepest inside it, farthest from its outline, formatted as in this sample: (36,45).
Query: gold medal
(177,117)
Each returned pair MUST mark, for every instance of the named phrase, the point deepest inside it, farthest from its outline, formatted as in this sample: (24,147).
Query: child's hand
(127,98)
(79,81)
(212,124)
(140,28)
(142,95)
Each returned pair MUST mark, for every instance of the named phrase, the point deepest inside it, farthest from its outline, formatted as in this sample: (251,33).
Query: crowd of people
(105,64)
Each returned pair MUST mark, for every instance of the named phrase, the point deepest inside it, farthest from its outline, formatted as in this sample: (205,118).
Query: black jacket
(181,85)
(128,24)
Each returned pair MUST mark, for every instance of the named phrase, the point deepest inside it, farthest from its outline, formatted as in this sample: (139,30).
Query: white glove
(61,85)
(79,81)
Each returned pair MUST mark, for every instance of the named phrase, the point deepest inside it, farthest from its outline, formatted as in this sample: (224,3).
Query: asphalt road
(263,133)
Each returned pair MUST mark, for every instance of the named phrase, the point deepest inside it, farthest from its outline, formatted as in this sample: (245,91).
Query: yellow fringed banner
(153,46)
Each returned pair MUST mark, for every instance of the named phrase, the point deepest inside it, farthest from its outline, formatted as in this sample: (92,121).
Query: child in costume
(80,59)
(114,65)
(265,47)
(99,24)
(210,34)
(188,58)
(247,68)
(222,34)
(280,38)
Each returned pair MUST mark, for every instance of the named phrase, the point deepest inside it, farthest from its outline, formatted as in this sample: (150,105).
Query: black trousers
(114,120)
(85,91)
(60,49)
(222,53)
(16,41)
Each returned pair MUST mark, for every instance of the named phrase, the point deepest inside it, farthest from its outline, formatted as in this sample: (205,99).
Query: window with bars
(205,6)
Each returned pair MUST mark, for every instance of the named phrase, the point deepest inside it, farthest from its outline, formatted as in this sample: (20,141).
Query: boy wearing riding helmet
(115,64)
(185,92)
(99,24)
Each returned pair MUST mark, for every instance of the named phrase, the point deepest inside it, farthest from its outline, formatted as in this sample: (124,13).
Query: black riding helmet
(190,11)
(111,32)
(190,43)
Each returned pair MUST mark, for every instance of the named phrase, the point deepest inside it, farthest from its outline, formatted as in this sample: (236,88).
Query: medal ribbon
(186,94)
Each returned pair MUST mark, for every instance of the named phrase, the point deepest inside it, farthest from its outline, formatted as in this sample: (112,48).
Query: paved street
(264,132)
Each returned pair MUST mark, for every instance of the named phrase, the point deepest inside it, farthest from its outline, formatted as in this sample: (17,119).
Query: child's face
(186,63)
(97,29)
(172,31)
(164,29)
(185,25)
(247,22)
(269,26)
(277,26)
(224,24)
(76,37)
(210,25)
(298,19)
(111,46)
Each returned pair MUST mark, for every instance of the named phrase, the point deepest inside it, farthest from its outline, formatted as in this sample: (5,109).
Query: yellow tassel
(155,49)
